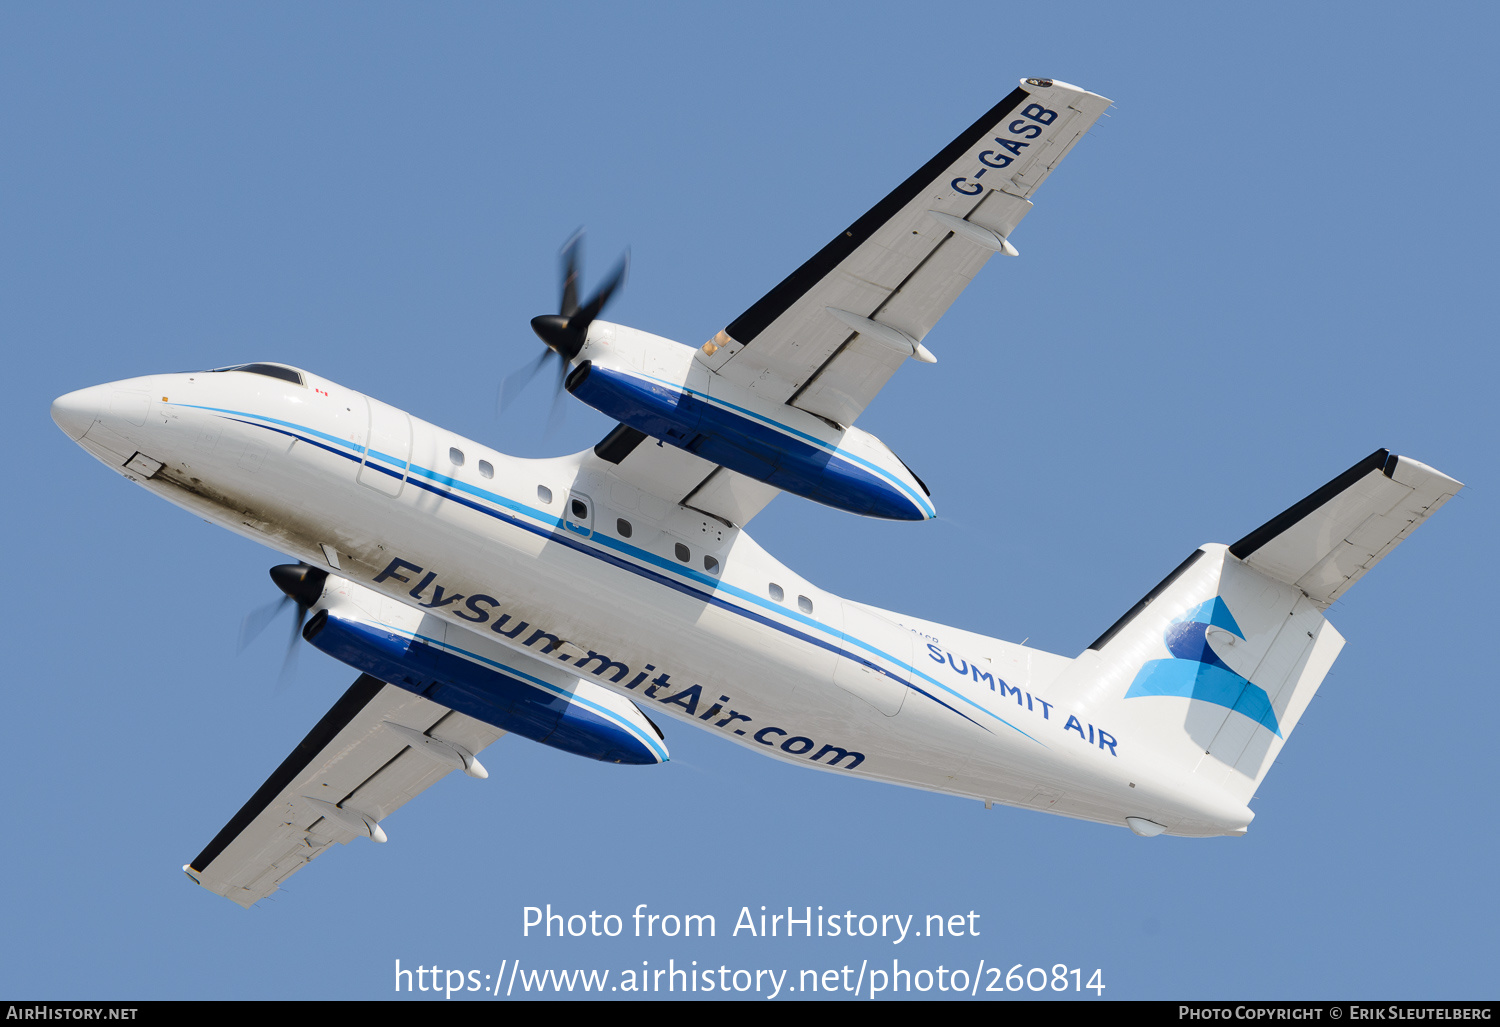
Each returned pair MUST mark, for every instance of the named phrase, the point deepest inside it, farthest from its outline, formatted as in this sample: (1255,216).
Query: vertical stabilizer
(1212,670)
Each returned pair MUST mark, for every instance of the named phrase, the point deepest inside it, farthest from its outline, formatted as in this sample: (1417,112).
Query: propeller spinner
(302,585)
(564,332)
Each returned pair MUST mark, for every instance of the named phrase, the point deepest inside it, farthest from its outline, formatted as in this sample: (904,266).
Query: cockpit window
(286,374)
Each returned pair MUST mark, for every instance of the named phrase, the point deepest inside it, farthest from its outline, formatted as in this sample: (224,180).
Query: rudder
(1213,669)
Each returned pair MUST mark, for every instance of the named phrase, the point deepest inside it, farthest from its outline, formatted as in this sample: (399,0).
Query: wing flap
(842,388)
(681,477)
(731,496)
(1331,539)
(350,760)
(654,467)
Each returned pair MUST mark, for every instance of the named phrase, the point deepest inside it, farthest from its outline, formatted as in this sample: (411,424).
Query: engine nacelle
(479,678)
(654,385)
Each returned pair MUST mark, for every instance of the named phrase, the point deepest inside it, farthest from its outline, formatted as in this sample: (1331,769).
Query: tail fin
(1215,666)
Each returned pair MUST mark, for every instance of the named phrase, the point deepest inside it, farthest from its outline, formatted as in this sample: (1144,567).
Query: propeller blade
(302,586)
(591,309)
(516,381)
(571,258)
(289,661)
(565,332)
(257,620)
(555,415)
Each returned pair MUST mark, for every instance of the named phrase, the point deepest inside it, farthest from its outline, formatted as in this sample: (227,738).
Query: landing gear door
(386,456)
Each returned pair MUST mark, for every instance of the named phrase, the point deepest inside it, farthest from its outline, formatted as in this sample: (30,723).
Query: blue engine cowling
(848,469)
(508,697)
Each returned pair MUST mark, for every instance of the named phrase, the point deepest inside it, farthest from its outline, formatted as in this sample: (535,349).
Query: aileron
(350,761)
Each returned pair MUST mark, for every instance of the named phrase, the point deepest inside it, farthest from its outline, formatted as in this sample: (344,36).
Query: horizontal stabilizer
(1327,542)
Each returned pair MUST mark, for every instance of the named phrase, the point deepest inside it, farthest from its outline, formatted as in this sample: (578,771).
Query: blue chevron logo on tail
(1196,672)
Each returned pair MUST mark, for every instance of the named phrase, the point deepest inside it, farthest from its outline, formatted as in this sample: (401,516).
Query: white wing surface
(351,771)
(679,476)
(833,332)
(829,337)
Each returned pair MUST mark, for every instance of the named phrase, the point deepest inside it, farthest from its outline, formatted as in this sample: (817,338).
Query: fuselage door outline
(387,441)
(578,517)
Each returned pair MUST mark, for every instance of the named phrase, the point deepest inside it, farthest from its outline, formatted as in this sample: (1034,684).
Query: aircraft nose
(76,412)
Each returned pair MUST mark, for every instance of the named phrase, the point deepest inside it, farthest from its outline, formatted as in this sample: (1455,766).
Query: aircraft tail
(1214,667)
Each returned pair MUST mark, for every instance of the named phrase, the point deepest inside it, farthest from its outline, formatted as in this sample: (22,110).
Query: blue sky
(1275,257)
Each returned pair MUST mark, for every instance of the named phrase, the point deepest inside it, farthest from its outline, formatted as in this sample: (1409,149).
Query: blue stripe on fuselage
(554,532)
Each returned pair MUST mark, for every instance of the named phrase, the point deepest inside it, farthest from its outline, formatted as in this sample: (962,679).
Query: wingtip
(1413,473)
(1033,84)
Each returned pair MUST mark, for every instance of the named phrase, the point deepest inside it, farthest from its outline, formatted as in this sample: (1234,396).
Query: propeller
(301,585)
(564,332)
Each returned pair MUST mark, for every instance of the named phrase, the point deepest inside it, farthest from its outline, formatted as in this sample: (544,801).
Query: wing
(350,772)
(681,477)
(830,336)
(834,331)
(1328,541)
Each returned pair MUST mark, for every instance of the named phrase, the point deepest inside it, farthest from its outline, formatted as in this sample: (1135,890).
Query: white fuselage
(678,611)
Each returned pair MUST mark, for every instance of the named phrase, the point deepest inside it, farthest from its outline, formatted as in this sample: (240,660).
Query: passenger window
(455,456)
(776,592)
(486,469)
(683,552)
(711,565)
(622,526)
(580,509)
(544,494)
(804,604)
